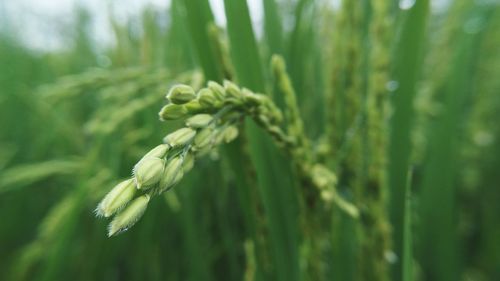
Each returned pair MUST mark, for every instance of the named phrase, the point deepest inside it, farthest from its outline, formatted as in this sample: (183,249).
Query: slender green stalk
(376,238)
(406,74)
(344,112)
(407,257)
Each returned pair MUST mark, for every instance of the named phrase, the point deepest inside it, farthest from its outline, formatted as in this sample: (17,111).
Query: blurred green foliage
(384,93)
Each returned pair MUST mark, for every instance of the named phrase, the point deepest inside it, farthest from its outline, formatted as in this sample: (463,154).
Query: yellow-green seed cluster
(211,118)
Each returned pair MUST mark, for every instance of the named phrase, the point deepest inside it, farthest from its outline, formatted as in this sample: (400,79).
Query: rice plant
(353,140)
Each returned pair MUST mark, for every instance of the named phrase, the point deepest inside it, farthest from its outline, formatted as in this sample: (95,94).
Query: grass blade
(439,243)
(273,173)
(272,27)
(198,17)
(244,50)
(408,234)
(407,68)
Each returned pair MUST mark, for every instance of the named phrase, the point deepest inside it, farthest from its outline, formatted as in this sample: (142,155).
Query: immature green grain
(199,121)
(181,94)
(129,216)
(188,162)
(203,138)
(193,106)
(229,133)
(148,172)
(181,137)
(117,198)
(210,125)
(207,98)
(172,174)
(159,151)
(173,111)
